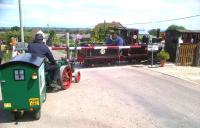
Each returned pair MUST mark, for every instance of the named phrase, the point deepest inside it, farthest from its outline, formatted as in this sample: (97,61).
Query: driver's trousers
(54,70)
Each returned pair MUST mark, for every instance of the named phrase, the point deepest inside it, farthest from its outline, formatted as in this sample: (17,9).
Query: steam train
(101,54)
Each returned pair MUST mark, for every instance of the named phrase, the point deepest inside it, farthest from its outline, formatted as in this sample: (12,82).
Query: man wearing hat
(40,49)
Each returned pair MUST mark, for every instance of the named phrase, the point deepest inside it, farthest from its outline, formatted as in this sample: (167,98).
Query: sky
(88,13)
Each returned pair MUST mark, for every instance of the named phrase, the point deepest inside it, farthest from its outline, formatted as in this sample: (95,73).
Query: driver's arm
(50,57)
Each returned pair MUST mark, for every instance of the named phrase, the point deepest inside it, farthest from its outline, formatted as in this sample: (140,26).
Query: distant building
(187,36)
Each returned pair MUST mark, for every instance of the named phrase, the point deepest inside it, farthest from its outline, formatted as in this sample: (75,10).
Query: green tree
(15,32)
(15,28)
(99,32)
(53,39)
(28,37)
(11,34)
(153,32)
(176,27)
(52,35)
(56,40)
(3,36)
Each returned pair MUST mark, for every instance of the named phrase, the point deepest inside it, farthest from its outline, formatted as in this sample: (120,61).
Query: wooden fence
(187,54)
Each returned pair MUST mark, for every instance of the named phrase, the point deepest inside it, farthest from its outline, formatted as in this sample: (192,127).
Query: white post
(152,55)
(20,19)
(68,52)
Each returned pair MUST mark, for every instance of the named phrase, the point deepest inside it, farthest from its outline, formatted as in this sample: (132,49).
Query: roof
(113,24)
(189,31)
(186,31)
(27,58)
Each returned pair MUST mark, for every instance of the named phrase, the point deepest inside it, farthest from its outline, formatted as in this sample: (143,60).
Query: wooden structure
(184,53)
(187,54)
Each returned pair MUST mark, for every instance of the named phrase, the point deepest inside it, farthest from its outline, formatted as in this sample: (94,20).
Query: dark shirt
(119,41)
(41,50)
(1,54)
(108,40)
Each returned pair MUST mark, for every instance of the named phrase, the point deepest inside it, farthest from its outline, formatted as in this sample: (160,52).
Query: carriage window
(19,74)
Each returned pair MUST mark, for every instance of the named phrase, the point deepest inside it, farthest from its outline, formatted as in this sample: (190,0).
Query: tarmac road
(118,97)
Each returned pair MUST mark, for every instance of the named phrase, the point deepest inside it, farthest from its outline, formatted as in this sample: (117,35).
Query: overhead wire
(167,20)
(159,21)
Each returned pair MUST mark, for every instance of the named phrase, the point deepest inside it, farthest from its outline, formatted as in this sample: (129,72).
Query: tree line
(98,33)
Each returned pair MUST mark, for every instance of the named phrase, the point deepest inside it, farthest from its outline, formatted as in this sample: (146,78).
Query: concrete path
(187,73)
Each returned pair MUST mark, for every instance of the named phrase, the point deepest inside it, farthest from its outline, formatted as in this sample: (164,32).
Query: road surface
(118,97)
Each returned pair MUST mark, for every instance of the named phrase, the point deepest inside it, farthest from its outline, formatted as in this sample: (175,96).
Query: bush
(7,55)
(163,55)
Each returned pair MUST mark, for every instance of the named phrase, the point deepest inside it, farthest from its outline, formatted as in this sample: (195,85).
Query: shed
(172,40)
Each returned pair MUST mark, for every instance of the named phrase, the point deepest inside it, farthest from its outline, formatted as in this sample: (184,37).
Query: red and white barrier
(96,47)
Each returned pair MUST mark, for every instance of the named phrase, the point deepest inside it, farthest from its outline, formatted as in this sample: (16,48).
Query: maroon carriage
(90,54)
(109,55)
(99,54)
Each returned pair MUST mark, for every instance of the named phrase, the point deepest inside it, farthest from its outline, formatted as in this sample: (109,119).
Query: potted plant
(163,56)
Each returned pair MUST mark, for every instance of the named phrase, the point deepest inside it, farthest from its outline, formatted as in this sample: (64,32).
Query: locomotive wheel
(65,77)
(78,77)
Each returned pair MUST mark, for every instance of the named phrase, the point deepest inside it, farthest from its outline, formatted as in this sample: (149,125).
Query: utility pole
(20,19)
(67,39)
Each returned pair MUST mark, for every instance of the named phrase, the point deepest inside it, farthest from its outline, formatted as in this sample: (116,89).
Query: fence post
(197,57)
(177,53)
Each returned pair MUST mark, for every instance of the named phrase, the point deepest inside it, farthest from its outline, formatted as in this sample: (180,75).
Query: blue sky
(87,13)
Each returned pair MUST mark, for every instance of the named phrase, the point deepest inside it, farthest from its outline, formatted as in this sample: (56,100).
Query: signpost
(152,47)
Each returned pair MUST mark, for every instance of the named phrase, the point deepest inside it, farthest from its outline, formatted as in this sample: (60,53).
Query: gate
(187,54)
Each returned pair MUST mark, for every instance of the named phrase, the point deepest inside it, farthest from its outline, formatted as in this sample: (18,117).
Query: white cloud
(86,13)
(7,6)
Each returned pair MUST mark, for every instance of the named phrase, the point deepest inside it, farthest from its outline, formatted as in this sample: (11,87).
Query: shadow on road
(3,115)
(6,116)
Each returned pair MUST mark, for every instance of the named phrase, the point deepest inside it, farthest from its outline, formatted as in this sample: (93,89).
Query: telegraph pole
(20,19)
(67,39)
